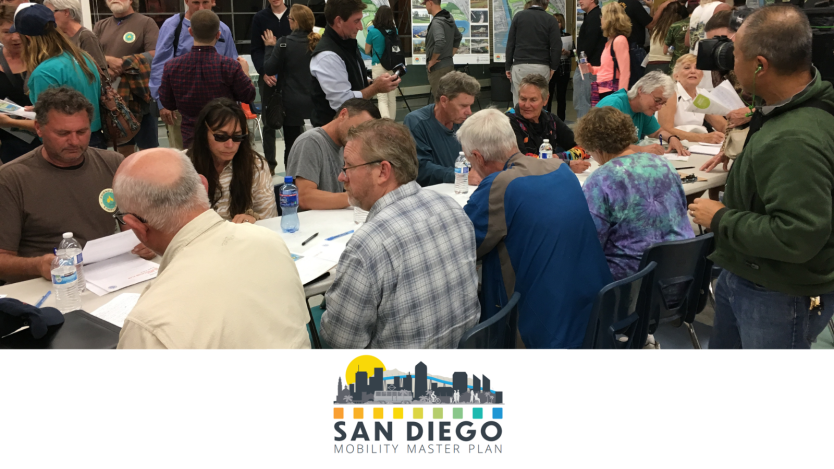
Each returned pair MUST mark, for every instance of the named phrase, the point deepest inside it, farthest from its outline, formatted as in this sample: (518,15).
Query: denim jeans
(582,93)
(753,317)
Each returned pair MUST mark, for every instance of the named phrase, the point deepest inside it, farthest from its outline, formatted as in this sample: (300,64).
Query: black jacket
(292,65)
(535,38)
(529,136)
(263,20)
(590,39)
(348,51)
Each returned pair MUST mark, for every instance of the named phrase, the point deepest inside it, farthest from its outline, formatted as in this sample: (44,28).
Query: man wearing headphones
(773,232)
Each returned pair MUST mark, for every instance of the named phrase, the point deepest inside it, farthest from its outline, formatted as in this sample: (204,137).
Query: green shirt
(677,37)
(63,70)
(377,41)
(646,125)
(776,229)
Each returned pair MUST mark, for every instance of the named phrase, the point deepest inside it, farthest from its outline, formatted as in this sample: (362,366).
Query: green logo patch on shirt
(129,38)
(107,200)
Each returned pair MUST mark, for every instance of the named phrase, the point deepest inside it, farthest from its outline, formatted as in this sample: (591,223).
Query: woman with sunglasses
(240,185)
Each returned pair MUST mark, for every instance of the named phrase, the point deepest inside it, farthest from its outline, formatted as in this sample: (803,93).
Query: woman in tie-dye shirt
(636,199)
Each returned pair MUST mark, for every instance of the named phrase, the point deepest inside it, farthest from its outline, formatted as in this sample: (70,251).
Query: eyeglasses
(237,138)
(119,216)
(346,168)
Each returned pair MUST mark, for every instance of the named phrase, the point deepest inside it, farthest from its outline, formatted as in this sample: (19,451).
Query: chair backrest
(497,332)
(248,112)
(680,279)
(616,317)
(277,189)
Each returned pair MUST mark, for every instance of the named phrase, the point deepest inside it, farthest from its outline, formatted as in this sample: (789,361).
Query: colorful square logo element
(497,413)
(338,413)
(477,413)
(358,412)
(378,413)
(398,413)
(457,413)
(437,412)
(418,413)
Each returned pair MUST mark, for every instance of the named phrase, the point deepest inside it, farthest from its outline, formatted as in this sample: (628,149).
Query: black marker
(309,239)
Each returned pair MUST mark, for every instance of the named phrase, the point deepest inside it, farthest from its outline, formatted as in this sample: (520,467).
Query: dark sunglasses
(119,216)
(237,138)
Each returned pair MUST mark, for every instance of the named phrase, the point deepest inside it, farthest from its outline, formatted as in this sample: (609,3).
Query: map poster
(502,14)
(472,20)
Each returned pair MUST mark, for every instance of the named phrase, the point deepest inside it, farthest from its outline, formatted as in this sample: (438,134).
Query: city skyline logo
(368,381)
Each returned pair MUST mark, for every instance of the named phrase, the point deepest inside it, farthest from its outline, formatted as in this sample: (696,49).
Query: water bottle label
(289,200)
(79,259)
(64,279)
(544,155)
(463,170)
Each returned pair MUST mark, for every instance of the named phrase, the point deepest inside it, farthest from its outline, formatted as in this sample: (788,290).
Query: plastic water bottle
(359,215)
(461,174)
(289,206)
(71,248)
(583,62)
(671,50)
(545,151)
(65,284)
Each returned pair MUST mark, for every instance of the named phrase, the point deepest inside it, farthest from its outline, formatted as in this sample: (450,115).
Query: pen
(43,299)
(309,239)
(339,235)
(687,167)
(661,139)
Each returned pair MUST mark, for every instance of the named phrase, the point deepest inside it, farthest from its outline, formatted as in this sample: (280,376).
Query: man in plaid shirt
(407,278)
(190,81)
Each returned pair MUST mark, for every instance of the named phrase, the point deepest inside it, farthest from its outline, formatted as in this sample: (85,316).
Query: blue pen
(661,140)
(43,299)
(339,235)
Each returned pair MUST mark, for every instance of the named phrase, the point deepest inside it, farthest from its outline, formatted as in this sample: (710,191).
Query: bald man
(220,285)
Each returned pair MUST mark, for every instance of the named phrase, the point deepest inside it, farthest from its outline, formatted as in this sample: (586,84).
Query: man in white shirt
(220,284)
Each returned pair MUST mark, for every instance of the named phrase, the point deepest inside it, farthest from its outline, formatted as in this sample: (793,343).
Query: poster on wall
(472,20)
(502,14)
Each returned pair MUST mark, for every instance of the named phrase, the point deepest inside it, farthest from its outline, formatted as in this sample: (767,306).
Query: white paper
(2,296)
(13,109)
(719,101)
(93,288)
(120,272)
(116,310)
(108,247)
(567,43)
(676,157)
(726,95)
(318,260)
(704,149)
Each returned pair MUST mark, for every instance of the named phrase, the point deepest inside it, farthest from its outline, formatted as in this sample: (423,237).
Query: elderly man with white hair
(220,285)
(534,234)
(68,20)
(641,102)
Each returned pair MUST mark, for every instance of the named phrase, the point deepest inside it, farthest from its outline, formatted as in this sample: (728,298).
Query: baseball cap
(30,19)
(15,314)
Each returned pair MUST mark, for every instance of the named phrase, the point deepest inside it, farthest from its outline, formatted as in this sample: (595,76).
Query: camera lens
(723,55)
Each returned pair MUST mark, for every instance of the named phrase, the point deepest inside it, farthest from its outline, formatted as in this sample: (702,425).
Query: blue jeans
(582,93)
(753,317)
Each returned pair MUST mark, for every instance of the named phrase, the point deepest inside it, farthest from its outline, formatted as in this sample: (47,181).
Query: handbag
(118,123)
(734,142)
(273,109)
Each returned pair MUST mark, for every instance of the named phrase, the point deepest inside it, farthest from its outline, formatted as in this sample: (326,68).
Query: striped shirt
(263,194)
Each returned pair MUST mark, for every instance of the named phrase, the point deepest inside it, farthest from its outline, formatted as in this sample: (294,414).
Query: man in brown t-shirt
(63,185)
(123,35)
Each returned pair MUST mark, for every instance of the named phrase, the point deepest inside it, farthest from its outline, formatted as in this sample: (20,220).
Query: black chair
(496,332)
(277,189)
(617,315)
(680,288)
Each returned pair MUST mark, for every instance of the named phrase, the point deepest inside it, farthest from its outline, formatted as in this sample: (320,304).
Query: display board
(502,14)
(472,20)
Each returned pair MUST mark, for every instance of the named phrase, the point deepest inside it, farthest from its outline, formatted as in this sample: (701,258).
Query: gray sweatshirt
(442,37)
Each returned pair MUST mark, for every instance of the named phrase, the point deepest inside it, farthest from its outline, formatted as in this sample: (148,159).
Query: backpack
(636,54)
(392,54)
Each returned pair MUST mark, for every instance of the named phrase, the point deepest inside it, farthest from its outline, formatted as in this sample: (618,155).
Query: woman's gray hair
(488,131)
(163,206)
(652,81)
(72,6)
(539,81)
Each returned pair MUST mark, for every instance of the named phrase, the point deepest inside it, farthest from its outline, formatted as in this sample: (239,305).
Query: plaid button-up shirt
(407,278)
(190,81)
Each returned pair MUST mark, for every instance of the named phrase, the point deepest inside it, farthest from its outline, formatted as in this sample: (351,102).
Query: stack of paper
(676,157)
(9,107)
(109,266)
(117,309)
(705,149)
(719,101)
(318,260)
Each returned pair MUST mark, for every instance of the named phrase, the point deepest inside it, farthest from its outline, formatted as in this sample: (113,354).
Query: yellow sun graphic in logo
(365,363)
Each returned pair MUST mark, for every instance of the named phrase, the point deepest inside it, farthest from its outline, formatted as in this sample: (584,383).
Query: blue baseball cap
(31,19)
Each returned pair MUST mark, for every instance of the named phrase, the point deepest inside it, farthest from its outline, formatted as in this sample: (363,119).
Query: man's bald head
(779,33)
(161,186)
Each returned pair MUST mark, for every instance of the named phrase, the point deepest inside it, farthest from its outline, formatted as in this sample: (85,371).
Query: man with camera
(773,233)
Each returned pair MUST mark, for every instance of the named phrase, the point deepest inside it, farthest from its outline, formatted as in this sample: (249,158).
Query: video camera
(716,54)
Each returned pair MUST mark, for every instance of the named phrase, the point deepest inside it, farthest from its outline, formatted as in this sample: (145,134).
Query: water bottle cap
(287,179)
(546,140)
(68,235)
